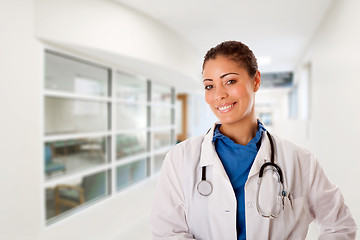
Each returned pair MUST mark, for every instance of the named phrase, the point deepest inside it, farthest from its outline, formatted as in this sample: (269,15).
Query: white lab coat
(180,212)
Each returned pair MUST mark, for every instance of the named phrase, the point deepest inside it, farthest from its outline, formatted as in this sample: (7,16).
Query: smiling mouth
(226,107)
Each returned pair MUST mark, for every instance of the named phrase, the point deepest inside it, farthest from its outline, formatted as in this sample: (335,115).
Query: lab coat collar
(209,156)
(208,152)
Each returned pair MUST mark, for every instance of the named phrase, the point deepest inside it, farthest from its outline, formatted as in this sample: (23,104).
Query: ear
(257,81)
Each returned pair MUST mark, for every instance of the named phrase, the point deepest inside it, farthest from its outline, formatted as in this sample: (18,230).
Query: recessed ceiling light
(263,60)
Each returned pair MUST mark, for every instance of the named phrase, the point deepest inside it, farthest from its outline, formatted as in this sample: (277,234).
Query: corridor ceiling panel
(278,31)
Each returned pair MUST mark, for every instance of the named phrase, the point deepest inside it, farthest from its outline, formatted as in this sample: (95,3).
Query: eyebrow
(222,76)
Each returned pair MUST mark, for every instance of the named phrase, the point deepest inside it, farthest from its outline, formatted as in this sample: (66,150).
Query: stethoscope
(205,187)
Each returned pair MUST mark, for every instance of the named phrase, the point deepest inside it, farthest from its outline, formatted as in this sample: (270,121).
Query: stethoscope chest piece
(204,187)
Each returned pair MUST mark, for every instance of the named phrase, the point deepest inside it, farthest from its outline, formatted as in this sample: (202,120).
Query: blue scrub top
(237,160)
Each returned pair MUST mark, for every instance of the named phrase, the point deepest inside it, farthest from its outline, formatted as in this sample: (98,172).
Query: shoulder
(183,158)
(284,143)
(291,150)
(299,165)
(189,146)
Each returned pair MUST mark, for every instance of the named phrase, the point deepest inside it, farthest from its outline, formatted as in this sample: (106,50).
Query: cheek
(241,91)
(208,98)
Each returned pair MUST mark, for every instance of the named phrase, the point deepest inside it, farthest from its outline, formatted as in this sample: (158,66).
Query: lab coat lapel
(209,156)
(262,156)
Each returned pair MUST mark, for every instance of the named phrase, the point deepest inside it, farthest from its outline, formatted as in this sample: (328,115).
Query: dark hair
(235,51)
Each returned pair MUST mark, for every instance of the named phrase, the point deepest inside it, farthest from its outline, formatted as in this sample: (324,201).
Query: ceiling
(279,30)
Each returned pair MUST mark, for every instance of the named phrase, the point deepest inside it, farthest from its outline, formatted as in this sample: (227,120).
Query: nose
(220,93)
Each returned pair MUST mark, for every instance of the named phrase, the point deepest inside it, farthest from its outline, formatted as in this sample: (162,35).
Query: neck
(241,132)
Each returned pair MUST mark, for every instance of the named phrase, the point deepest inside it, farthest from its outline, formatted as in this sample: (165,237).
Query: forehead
(219,66)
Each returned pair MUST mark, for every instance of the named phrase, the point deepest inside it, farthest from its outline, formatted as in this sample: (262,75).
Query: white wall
(21,205)
(200,117)
(334,55)
(99,29)
(109,30)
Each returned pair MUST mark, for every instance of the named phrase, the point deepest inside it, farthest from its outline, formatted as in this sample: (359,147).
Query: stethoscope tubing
(205,187)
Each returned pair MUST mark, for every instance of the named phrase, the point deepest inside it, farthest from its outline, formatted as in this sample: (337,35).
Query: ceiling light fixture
(263,60)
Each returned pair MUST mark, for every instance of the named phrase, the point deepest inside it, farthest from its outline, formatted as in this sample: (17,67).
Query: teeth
(226,107)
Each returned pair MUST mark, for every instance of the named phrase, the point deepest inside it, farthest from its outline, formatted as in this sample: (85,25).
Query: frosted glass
(130,173)
(130,88)
(131,116)
(69,75)
(74,116)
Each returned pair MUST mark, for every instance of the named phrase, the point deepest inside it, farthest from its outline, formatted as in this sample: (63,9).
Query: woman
(208,187)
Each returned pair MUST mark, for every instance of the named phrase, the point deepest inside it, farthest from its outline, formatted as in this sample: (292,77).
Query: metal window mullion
(113,132)
(62,137)
(130,160)
(42,143)
(74,96)
(149,159)
(79,174)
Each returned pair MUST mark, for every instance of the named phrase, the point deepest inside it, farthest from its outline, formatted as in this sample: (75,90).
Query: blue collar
(254,143)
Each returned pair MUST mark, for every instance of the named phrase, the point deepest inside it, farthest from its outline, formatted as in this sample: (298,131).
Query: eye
(230,82)
(208,87)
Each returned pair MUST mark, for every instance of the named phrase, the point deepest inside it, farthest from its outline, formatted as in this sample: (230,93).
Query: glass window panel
(64,157)
(130,144)
(162,139)
(74,76)
(65,197)
(131,116)
(130,173)
(161,94)
(130,88)
(161,116)
(158,161)
(74,116)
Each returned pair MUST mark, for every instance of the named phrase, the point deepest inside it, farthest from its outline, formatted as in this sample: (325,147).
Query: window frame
(112,163)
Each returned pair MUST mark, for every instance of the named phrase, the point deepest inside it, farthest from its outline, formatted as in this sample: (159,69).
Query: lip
(226,107)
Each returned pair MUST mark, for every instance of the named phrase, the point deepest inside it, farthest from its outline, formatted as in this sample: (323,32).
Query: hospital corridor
(95,93)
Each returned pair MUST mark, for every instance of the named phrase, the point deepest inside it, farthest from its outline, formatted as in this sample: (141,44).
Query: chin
(229,121)
(233,119)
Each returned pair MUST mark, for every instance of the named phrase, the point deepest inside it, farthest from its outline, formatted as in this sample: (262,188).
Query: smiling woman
(230,93)
(258,186)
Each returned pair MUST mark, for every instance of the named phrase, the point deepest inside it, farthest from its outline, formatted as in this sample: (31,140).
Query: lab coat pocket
(293,207)
(293,219)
